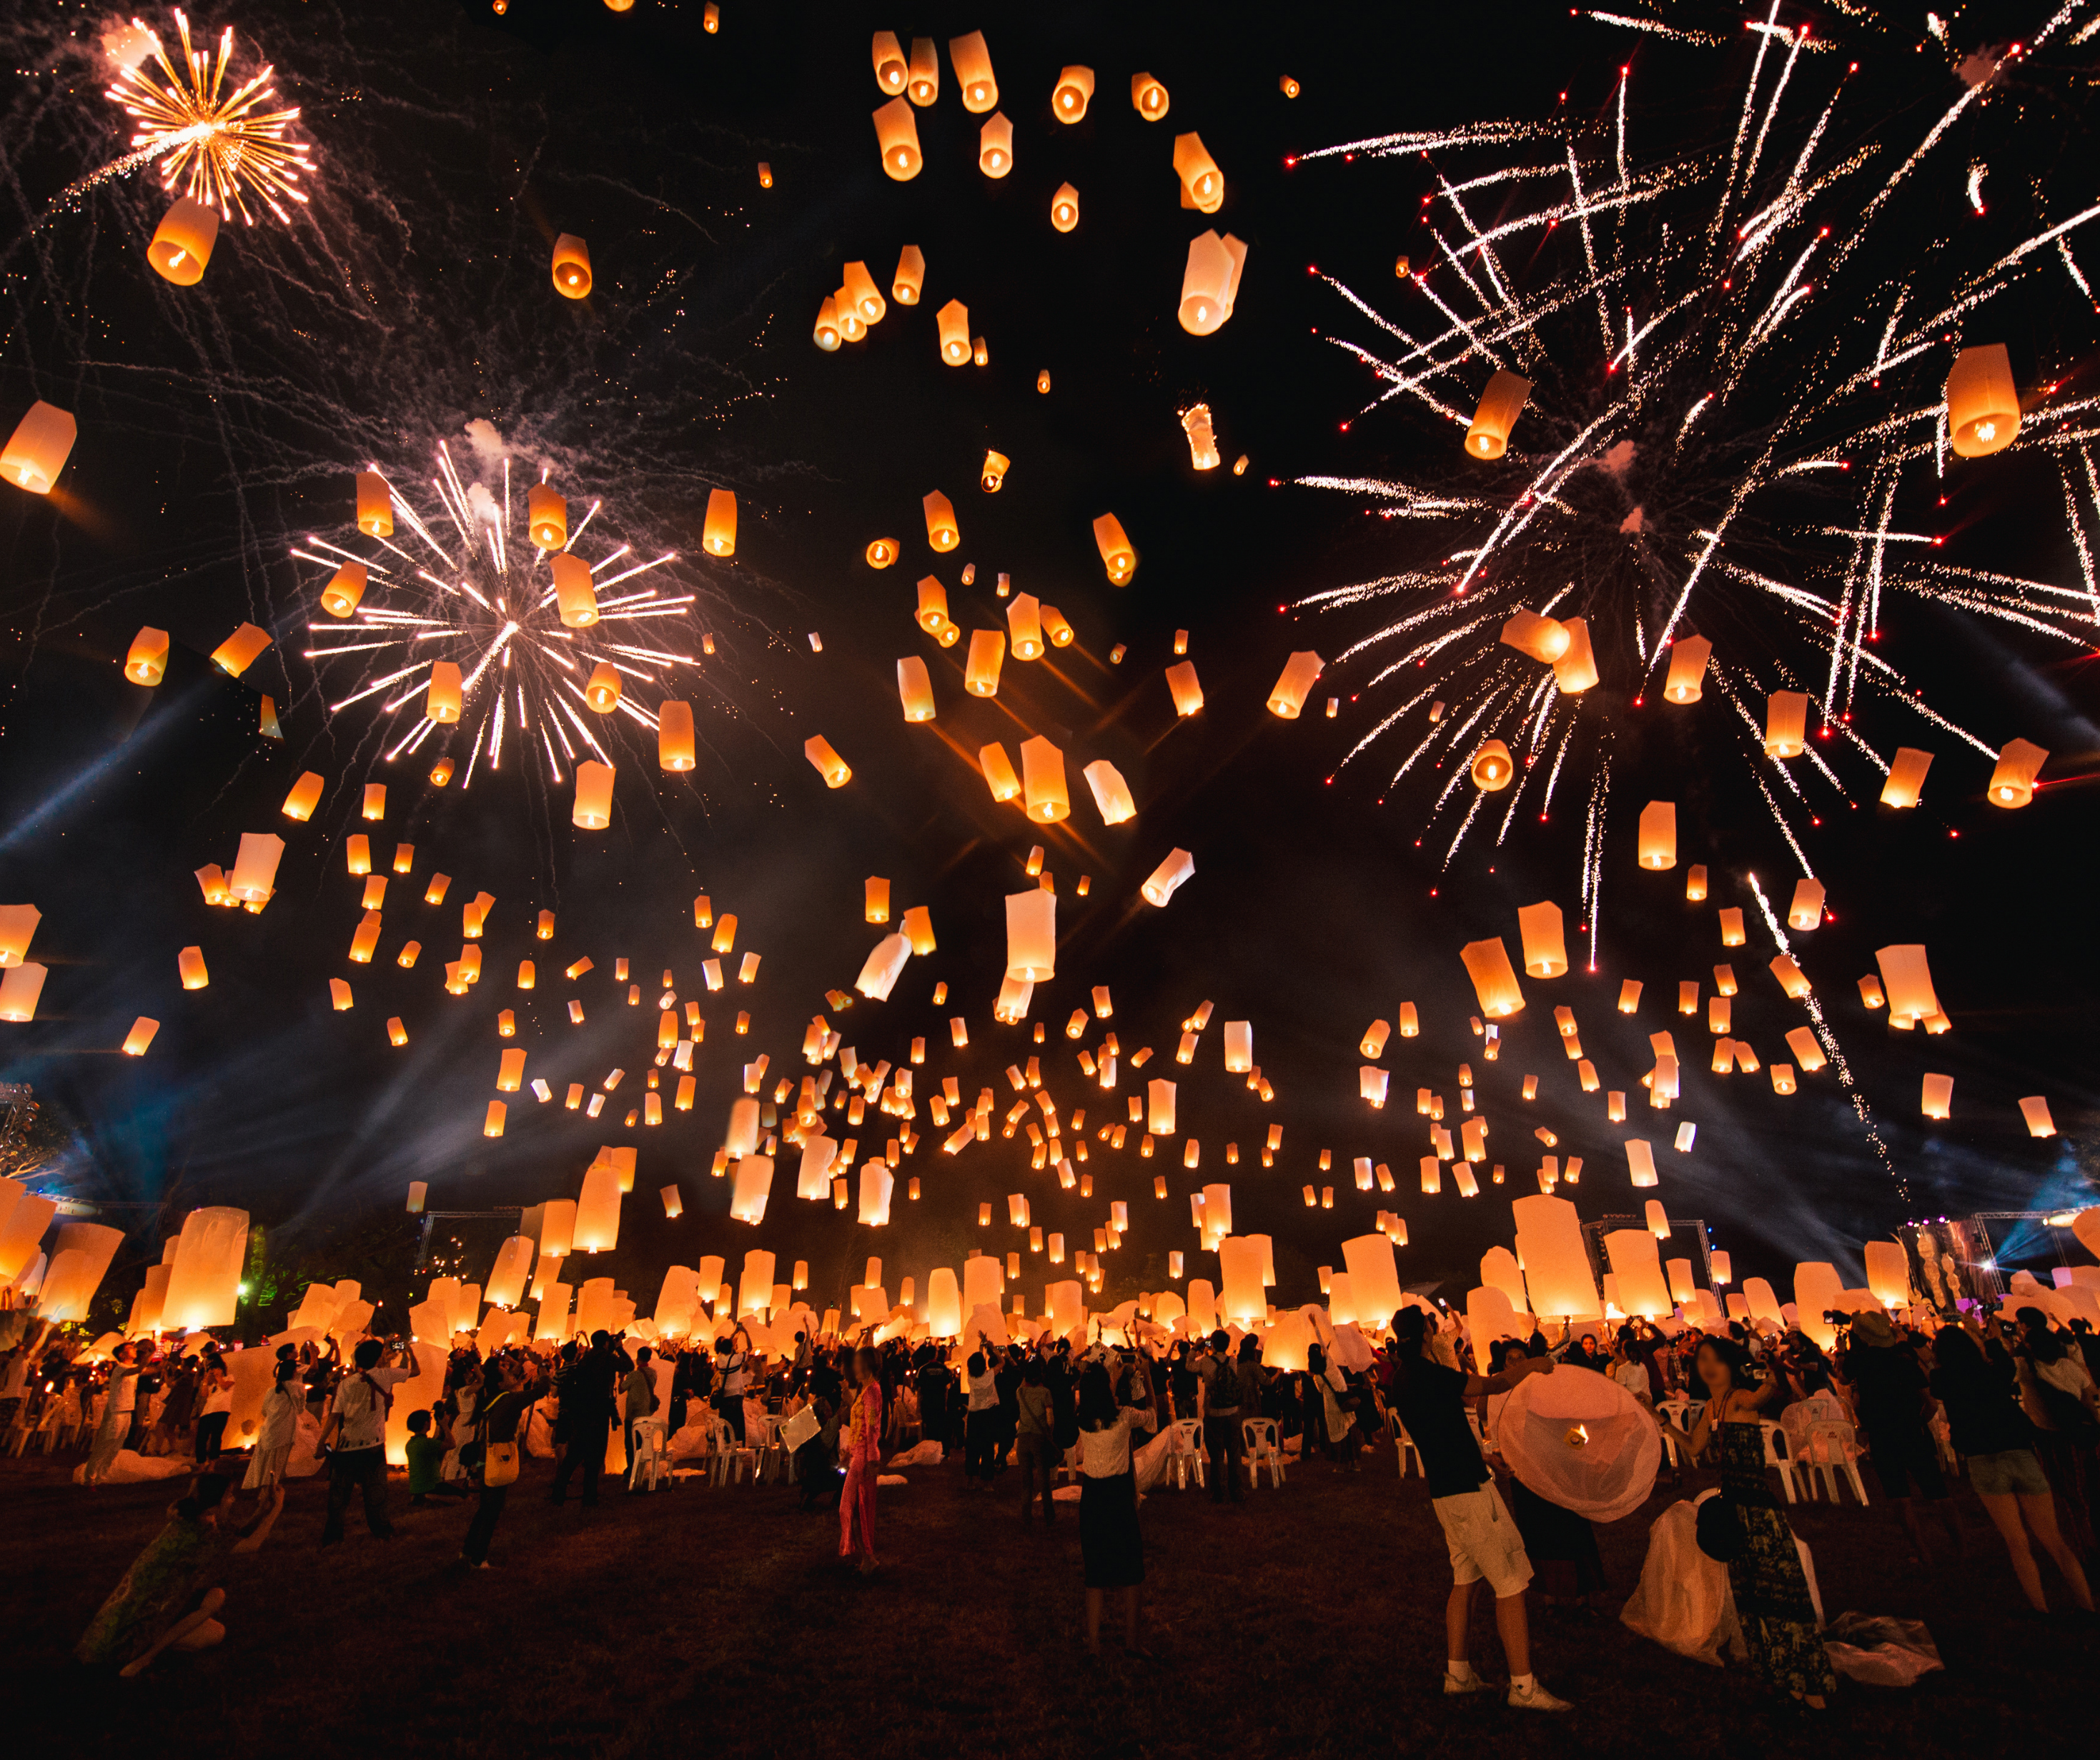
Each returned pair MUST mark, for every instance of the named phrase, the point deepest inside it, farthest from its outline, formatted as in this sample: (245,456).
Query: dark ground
(717,1622)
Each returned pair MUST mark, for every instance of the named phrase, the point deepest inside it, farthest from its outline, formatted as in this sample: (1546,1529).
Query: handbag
(501,1467)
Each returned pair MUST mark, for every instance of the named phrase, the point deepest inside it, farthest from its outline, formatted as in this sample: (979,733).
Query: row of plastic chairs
(1262,1452)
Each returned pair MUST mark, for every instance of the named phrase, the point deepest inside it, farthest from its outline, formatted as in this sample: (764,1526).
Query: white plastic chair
(1833,1448)
(1404,1445)
(1188,1453)
(1262,1450)
(1776,1458)
(650,1465)
(730,1461)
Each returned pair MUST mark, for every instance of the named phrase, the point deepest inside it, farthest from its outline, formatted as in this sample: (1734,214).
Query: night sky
(220,425)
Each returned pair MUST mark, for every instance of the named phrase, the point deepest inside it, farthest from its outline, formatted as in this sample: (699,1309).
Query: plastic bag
(1881,1652)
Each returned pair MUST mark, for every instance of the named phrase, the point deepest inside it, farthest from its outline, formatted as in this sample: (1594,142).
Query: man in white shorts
(1429,1399)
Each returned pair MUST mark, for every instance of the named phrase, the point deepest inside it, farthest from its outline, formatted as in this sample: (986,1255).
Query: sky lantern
(996,149)
(972,61)
(1731,926)
(1658,834)
(896,135)
(826,333)
(1202,183)
(1545,945)
(860,288)
(204,1279)
(143,1028)
(1937,1096)
(1118,555)
(1202,439)
(1786,723)
(915,689)
(182,243)
(1494,980)
(1295,682)
(999,771)
(1983,402)
(1187,692)
(1074,91)
(2012,781)
(1689,655)
(1065,208)
(1907,980)
(1540,637)
(1576,670)
(375,505)
(240,650)
(602,689)
(718,534)
(442,701)
(36,452)
(1805,911)
(910,280)
(575,598)
(1111,793)
(145,661)
(547,515)
(987,655)
(346,586)
(1148,97)
(952,321)
(891,70)
(932,614)
(20,988)
(829,765)
(593,811)
(305,796)
(1210,282)
(882,552)
(1042,782)
(1168,878)
(1032,936)
(1801,1041)
(1556,1265)
(884,963)
(1493,768)
(572,267)
(941,529)
(1495,415)
(674,735)
(923,75)
(1637,1269)
(1024,624)
(1888,1272)
(254,873)
(1906,777)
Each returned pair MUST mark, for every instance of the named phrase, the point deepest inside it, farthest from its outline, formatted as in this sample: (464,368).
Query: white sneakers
(1455,1688)
(1533,1698)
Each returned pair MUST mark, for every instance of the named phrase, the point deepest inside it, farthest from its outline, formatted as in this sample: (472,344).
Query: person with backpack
(1218,1405)
(358,1419)
(492,1456)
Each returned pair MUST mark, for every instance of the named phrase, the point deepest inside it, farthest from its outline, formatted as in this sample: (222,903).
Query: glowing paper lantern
(1210,282)
(1906,777)
(897,135)
(987,656)
(1817,1291)
(915,689)
(860,289)
(1159,1108)
(1801,1041)
(973,63)
(1373,1277)
(1202,183)
(1500,405)
(1983,402)
(1806,911)
(1907,978)
(1640,1162)
(1545,946)
(718,532)
(754,1284)
(828,764)
(182,243)
(442,701)
(952,321)
(940,531)
(20,987)
(1938,1096)
(1065,208)
(1024,624)
(876,1185)
(2012,781)
(1658,834)
(1540,637)
(996,149)
(1118,555)
(593,811)
(1576,670)
(1074,91)
(145,662)
(1495,981)
(375,505)
(1688,656)
(1638,1267)
(254,873)
(345,588)
(190,963)
(1148,97)
(1786,723)
(1043,774)
(752,1186)
(879,973)
(1556,1265)
(204,1279)
(1492,768)
(1163,881)
(1888,1272)
(36,452)
(1241,1295)
(1111,793)
(1032,936)
(2034,1109)
(890,71)
(572,270)
(240,650)
(999,773)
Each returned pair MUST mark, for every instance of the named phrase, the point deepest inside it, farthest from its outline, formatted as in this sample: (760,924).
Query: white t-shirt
(363,1409)
(1633,1377)
(1105,1453)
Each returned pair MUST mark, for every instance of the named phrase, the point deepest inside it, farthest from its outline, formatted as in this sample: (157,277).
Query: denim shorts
(2015,1473)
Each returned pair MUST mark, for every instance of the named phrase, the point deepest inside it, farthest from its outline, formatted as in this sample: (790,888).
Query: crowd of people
(2014,1407)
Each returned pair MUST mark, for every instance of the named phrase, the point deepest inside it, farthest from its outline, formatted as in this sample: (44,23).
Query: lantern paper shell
(1658,834)
(240,650)
(1032,936)
(972,61)
(718,534)
(915,689)
(1545,944)
(1640,1162)
(1888,1272)
(182,241)
(1168,878)
(1495,981)
(1938,1096)
(1111,793)
(1500,405)
(1042,783)
(375,505)
(674,735)
(254,873)
(145,661)
(1074,91)
(923,79)
(36,452)
(1540,637)
(952,321)
(1024,624)
(987,655)
(593,811)
(860,288)
(1187,693)
(1493,768)
(827,333)
(442,702)
(1983,402)
(1638,1267)
(896,135)
(932,615)
(2012,781)
(2034,1110)
(1294,684)
(1907,980)
(1801,1041)
(345,588)
(891,71)
(205,1276)
(1065,208)
(941,529)
(910,280)
(999,773)
(1576,670)
(1373,1277)
(1148,97)
(829,765)
(20,987)
(1786,723)
(572,266)
(1556,1265)
(1118,555)
(1906,777)
(1210,282)
(1202,183)
(995,149)
(602,689)
(1687,669)
(1805,909)
(880,972)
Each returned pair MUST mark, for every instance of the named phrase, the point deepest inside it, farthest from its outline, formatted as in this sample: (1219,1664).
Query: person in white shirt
(116,1411)
(1110,1543)
(358,1418)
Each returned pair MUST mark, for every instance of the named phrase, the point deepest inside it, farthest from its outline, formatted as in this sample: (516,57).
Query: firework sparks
(1734,425)
(484,600)
(223,145)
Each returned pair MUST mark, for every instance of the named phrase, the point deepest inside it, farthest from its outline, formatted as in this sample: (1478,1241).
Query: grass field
(717,1622)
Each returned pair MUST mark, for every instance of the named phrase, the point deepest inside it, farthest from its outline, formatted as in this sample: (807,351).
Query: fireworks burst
(225,143)
(1735,426)
(487,604)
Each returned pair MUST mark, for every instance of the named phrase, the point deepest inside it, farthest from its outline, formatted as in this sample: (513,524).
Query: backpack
(1221,1391)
